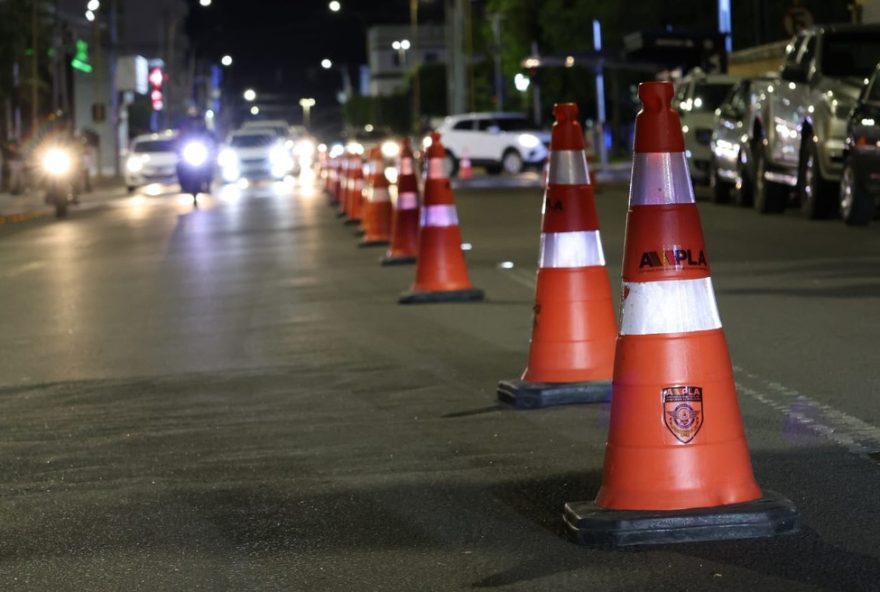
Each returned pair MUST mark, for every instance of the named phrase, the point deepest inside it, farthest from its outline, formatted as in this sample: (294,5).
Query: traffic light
(156,78)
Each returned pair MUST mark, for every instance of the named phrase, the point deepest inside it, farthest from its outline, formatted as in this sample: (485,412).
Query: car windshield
(154,146)
(708,96)
(850,54)
(514,124)
(252,140)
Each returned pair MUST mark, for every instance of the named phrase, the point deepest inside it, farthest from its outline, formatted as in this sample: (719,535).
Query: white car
(697,96)
(255,154)
(151,158)
(505,142)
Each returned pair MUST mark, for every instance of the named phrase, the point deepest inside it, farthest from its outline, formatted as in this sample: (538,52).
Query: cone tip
(656,96)
(564,112)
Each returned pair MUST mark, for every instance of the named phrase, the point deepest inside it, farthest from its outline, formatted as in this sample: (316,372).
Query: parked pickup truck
(795,142)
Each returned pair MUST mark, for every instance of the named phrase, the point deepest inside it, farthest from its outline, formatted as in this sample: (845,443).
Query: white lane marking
(521,277)
(22,269)
(857,436)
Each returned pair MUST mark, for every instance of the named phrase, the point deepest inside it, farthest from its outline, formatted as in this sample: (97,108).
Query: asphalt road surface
(229,398)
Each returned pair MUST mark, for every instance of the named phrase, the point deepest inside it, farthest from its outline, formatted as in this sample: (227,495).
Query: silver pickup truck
(794,147)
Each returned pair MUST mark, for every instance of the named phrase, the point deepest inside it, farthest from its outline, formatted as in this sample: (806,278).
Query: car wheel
(744,188)
(770,198)
(450,165)
(512,162)
(719,188)
(815,193)
(856,208)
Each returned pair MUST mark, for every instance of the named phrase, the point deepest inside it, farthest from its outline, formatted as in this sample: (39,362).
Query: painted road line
(522,277)
(852,433)
(22,269)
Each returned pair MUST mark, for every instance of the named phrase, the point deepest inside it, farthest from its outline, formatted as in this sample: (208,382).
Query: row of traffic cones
(426,234)
(677,466)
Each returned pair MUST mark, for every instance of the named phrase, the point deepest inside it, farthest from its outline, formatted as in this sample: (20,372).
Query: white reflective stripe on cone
(406,166)
(673,306)
(568,167)
(436,169)
(660,178)
(376,194)
(408,200)
(438,216)
(571,249)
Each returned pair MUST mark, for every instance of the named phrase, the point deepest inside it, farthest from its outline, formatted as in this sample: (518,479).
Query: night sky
(278,45)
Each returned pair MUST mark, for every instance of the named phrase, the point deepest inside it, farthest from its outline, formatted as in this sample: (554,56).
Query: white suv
(498,141)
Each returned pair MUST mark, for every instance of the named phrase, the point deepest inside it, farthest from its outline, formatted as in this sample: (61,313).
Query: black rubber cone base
(772,515)
(351,221)
(340,214)
(373,243)
(450,296)
(535,395)
(386,260)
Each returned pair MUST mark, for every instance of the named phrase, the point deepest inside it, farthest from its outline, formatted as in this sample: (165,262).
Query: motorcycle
(57,166)
(195,169)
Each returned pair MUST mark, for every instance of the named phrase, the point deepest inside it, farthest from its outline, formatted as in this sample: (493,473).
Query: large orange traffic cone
(377,204)
(571,356)
(355,190)
(677,464)
(441,272)
(405,222)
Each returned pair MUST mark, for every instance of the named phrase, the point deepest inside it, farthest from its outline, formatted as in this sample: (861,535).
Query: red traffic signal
(156,78)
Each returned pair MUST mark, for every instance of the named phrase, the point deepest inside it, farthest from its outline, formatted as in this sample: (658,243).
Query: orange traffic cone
(441,272)
(377,204)
(571,356)
(677,464)
(465,170)
(405,222)
(355,190)
(331,170)
(342,185)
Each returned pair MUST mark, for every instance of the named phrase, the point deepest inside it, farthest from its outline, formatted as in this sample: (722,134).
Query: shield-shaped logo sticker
(683,411)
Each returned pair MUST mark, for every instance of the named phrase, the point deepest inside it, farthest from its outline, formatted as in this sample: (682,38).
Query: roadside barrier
(376,203)
(677,465)
(441,271)
(405,217)
(571,354)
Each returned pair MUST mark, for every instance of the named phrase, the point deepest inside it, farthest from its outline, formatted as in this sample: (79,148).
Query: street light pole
(307,105)
(416,85)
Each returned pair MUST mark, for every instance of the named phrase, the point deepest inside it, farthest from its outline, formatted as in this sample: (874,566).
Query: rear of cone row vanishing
(676,455)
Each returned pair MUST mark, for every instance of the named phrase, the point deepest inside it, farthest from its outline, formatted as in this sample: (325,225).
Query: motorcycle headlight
(528,140)
(57,161)
(305,148)
(390,149)
(195,154)
(134,164)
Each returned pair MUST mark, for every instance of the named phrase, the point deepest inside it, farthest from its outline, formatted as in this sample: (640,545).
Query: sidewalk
(30,205)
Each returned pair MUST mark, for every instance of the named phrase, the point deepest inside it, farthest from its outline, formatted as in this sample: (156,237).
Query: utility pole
(35,61)
(536,91)
(499,78)
(416,84)
(456,82)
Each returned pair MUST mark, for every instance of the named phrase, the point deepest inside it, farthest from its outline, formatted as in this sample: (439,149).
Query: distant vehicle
(58,176)
(697,96)
(152,158)
(797,135)
(195,167)
(728,146)
(255,153)
(505,142)
(860,181)
(278,126)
